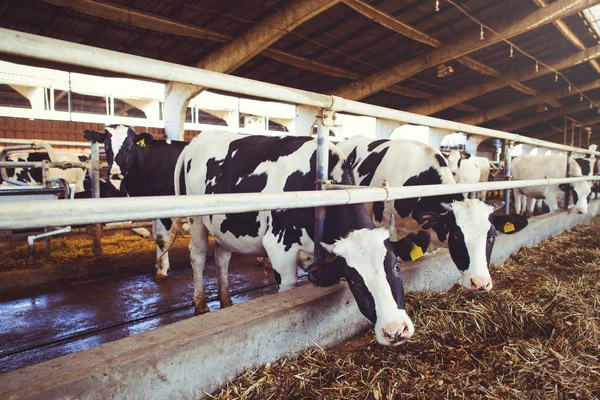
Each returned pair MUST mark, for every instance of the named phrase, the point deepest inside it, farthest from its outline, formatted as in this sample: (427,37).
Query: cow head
(469,228)
(454,159)
(366,261)
(120,143)
(582,194)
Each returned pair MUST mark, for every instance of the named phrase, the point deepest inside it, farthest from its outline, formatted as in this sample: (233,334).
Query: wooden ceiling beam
(524,74)
(569,34)
(460,47)
(552,133)
(401,27)
(243,48)
(495,112)
(542,117)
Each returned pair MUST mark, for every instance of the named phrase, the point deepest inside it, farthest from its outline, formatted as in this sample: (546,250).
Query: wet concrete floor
(38,326)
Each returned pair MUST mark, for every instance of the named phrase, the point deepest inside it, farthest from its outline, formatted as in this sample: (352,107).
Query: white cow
(550,166)
(469,169)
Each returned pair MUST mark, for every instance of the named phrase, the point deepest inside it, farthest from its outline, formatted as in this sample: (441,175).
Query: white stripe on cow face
(118,136)
(365,251)
(472,217)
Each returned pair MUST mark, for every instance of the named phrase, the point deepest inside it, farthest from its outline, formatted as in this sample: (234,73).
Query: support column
(507,174)
(306,117)
(177,97)
(35,95)
(385,127)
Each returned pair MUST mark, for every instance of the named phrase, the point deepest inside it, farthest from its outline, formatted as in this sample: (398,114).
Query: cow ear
(94,136)
(447,206)
(468,155)
(143,139)
(511,223)
(325,273)
(405,248)
(565,186)
(330,248)
(497,205)
(428,219)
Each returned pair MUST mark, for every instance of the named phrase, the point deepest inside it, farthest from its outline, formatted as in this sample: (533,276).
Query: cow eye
(397,267)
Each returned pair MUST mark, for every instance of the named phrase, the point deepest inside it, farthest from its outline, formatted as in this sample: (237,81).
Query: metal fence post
(507,173)
(95,168)
(568,175)
(322,176)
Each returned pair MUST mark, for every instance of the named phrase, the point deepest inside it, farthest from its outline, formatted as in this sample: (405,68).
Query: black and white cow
(467,168)
(467,225)
(219,162)
(548,166)
(144,167)
(590,166)
(33,176)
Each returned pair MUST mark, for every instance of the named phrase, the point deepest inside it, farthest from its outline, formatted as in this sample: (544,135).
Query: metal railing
(93,211)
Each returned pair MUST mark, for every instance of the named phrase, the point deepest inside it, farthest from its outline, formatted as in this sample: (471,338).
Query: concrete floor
(37,326)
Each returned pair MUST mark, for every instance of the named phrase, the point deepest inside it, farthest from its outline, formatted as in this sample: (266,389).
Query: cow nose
(481,283)
(116,176)
(396,332)
(580,211)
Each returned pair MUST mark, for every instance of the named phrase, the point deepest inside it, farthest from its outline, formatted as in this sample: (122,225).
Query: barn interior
(521,66)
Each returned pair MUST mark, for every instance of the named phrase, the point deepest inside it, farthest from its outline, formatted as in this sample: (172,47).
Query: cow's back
(398,162)
(153,174)
(539,167)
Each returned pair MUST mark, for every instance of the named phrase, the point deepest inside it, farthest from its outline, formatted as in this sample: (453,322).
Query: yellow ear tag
(416,252)
(141,142)
(509,227)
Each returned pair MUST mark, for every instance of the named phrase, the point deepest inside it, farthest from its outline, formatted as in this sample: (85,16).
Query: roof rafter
(508,108)
(401,27)
(545,116)
(569,34)
(523,74)
(460,47)
(259,37)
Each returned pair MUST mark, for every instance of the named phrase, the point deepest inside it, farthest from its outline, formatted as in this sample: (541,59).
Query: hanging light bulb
(437,5)
(569,87)
(511,51)
(591,106)
(481,33)
(537,67)
(556,77)
(580,97)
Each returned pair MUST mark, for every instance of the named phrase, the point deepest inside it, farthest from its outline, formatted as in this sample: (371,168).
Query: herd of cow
(367,243)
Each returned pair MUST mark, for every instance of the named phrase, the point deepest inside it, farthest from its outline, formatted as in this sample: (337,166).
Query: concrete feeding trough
(189,358)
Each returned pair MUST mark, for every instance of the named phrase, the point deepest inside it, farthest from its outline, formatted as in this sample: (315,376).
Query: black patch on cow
(403,247)
(584,164)
(364,298)
(351,159)
(459,162)
(368,167)
(378,207)
(456,242)
(191,220)
(374,144)
(467,155)
(441,160)
(489,244)
(419,205)
(167,222)
(277,276)
(189,166)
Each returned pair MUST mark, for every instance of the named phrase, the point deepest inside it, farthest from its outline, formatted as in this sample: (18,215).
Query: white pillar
(473,142)
(306,117)
(231,118)
(436,135)
(151,108)
(385,127)
(177,97)
(35,95)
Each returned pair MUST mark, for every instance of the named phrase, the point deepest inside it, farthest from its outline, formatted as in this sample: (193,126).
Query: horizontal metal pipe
(39,214)
(39,47)
(52,142)
(39,164)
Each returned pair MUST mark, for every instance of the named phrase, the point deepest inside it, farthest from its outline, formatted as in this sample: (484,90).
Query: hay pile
(537,335)
(77,248)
